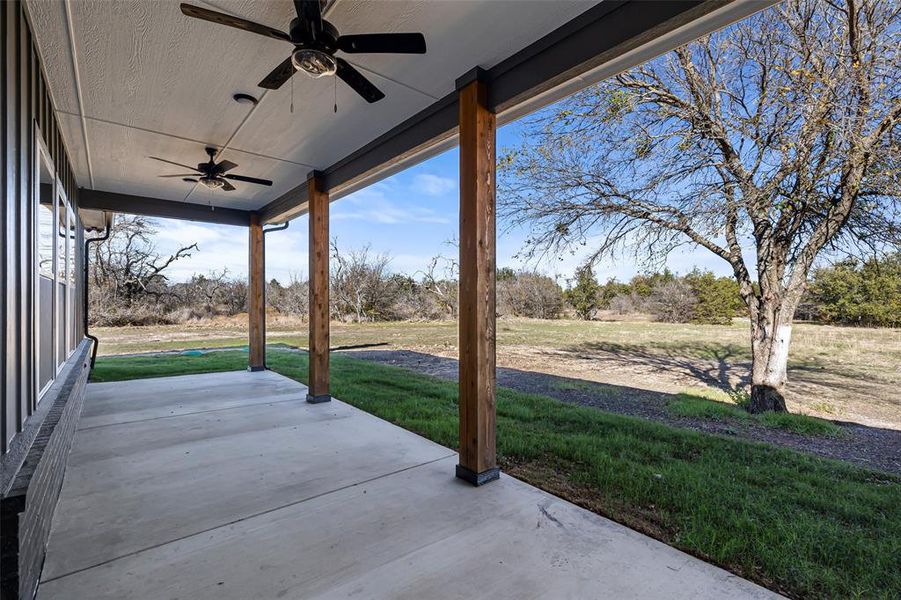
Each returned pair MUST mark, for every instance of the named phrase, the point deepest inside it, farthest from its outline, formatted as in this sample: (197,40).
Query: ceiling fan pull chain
(335,79)
(292,95)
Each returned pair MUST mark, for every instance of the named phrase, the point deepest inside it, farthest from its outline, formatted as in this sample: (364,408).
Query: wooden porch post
(478,462)
(256,304)
(319,302)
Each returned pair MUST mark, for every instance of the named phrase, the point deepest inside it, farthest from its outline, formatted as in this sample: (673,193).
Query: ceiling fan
(213,175)
(315,43)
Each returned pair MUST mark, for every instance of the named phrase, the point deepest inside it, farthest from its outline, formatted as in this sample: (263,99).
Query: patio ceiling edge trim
(156,207)
(533,77)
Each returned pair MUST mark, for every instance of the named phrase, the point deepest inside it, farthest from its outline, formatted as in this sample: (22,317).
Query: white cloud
(374,205)
(180,232)
(287,252)
(433,185)
(219,247)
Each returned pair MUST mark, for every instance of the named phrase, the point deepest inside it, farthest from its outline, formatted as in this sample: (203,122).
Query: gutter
(281,227)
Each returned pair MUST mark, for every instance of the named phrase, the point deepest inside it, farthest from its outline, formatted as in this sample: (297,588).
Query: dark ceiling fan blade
(310,10)
(393,43)
(279,75)
(182,175)
(248,179)
(190,180)
(226,186)
(360,84)
(224,19)
(225,165)
(172,163)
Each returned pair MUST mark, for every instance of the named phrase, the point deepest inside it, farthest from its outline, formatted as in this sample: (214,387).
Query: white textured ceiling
(154,82)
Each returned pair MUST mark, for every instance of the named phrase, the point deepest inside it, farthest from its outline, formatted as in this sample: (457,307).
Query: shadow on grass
(632,401)
(724,366)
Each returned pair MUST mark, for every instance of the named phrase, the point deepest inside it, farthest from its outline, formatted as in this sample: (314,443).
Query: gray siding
(26,510)
(34,439)
(24,102)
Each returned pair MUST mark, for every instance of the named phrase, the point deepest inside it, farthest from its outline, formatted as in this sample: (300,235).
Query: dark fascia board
(598,35)
(156,207)
(602,33)
(287,206)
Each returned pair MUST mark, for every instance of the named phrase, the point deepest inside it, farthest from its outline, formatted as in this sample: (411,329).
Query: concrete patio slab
(121,402)
(290,500)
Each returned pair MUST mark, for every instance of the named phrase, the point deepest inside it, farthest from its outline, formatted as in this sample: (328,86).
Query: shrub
(584,296)
(530,294)
(627,304)
(672,301)
(858,293)
(717,298)
(292,299)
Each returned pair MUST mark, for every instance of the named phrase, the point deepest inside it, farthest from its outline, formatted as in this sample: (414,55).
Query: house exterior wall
(36,429)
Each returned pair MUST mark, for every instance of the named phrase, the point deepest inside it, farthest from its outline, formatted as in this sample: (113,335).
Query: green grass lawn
(801,525)
(696,406)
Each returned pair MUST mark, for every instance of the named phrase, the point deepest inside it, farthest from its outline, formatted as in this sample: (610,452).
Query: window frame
(42,158)
(71,276)
(61,277)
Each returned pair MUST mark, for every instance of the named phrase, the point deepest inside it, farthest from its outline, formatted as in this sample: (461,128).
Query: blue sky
(411,216)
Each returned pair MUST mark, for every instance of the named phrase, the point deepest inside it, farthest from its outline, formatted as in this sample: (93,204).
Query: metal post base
(319,399)
(478,479)
(256,369)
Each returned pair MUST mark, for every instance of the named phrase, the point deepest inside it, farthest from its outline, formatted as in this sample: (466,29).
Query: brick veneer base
(26,509)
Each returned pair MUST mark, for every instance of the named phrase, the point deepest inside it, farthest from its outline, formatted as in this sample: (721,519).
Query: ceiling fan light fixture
(314,63)
(214,183)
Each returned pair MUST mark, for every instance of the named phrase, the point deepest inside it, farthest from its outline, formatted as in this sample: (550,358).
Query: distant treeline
(130,287)
(849,292)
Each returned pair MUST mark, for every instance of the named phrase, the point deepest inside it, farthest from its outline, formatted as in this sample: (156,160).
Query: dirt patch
(871,447)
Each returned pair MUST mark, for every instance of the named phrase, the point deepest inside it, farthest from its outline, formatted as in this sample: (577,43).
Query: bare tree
(529,294)
(671,302)
(128,275)
(213,293)
(129,262)
(779,135)
(360,285)
(439,281)
(291,299)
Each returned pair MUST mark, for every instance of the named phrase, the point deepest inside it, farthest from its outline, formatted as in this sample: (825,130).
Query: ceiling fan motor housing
(314,45)
(322,35)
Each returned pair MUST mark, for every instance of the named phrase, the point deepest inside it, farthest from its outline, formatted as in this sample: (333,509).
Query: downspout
(87,254)
(281,227)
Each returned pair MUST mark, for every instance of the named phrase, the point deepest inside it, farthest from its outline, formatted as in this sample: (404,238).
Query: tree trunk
(770,338)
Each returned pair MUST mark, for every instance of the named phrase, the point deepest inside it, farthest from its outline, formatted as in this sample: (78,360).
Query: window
(71,293)
(62,281)
(45,221)
(45,348)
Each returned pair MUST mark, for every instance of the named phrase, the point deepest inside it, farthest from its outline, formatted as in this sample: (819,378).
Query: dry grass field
(841,373)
